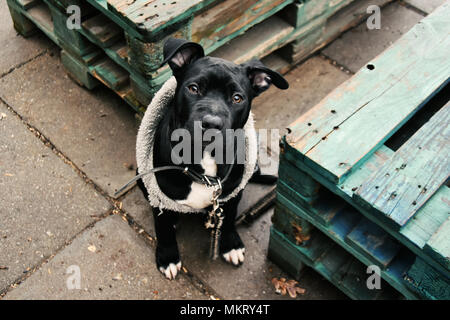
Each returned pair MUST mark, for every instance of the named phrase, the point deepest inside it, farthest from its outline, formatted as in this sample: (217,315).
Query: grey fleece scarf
(144,151)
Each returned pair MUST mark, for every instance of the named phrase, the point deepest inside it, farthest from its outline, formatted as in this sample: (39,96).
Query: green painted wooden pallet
(331,261)
(343,145)
(111,49)
(344,225)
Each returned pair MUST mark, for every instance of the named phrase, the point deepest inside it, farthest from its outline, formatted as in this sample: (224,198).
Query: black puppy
(210,94)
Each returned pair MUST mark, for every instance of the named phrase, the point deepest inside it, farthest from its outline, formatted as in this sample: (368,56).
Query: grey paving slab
(308,84)
(15,49)
(95,129)
(426,6)
(43,201)
(113,261)
(358,46)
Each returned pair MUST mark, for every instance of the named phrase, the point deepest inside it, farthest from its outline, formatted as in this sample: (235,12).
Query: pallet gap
(419,119)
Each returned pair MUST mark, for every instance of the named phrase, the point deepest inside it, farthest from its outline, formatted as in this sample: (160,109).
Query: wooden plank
(427,281)
(334,265)
(229,18)
(256,41)
(428,219)
(78,71)
(439,244)
(413,174)
(153,15)
(403,76)
(21,23)
(374,241)
(110,74)
(103,30)
(415,233)
(27,4)
(341,225)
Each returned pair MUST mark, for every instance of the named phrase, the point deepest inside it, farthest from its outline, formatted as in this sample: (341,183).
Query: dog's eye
(193,89)
(237,98)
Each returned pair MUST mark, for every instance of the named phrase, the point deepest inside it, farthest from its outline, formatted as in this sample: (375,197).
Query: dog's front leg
(167,255)
(231,246)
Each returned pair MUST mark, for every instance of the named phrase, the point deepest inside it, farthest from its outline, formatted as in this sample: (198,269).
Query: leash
(215,215)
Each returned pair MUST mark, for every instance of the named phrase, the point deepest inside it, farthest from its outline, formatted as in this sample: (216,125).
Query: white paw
(235,256)
(171,271)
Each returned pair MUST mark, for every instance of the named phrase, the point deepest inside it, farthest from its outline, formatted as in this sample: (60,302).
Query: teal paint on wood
(341,225)
(374,241)
(103,30)
(413,174)
(78,71)
(334,265)
(379,100)
(439,244)
(427,281)
(21,23)
(71,40)
(110,74)
(415,233)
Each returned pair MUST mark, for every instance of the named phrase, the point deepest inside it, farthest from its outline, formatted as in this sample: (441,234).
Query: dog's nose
(212,122)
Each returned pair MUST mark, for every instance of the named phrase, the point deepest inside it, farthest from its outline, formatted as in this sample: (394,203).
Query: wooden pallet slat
(374,241)
(439,244)
(339,229)
(413,174)
(334,264)
(427,281)
(103,30)
(110,74)
(402,84)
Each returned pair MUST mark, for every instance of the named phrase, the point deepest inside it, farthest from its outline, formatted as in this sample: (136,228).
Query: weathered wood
(284,254)
(103,30)
(110,74)
(256,42)
(78,71)
(27,4)
(227,19)
(413,174)
(439,244)
(70,40)
(151,16)
(427,281)
(397,86)
(146,57)
(374,241)
(21,23)
(343,220)
(347,17)
(334,264)
(295,228)
(416,232)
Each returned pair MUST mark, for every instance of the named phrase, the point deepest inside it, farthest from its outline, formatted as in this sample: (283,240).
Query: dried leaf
(283,286)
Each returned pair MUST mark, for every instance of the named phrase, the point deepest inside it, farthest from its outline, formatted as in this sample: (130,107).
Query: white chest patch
(200,195)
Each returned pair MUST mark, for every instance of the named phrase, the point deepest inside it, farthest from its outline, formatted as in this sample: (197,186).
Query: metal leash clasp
(215,220)
(216,210)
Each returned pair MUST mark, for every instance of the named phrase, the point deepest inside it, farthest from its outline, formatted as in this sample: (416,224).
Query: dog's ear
(262,77)
(180,52)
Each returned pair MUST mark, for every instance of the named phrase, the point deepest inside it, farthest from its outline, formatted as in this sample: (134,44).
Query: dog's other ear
(180,52)
(262,77)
